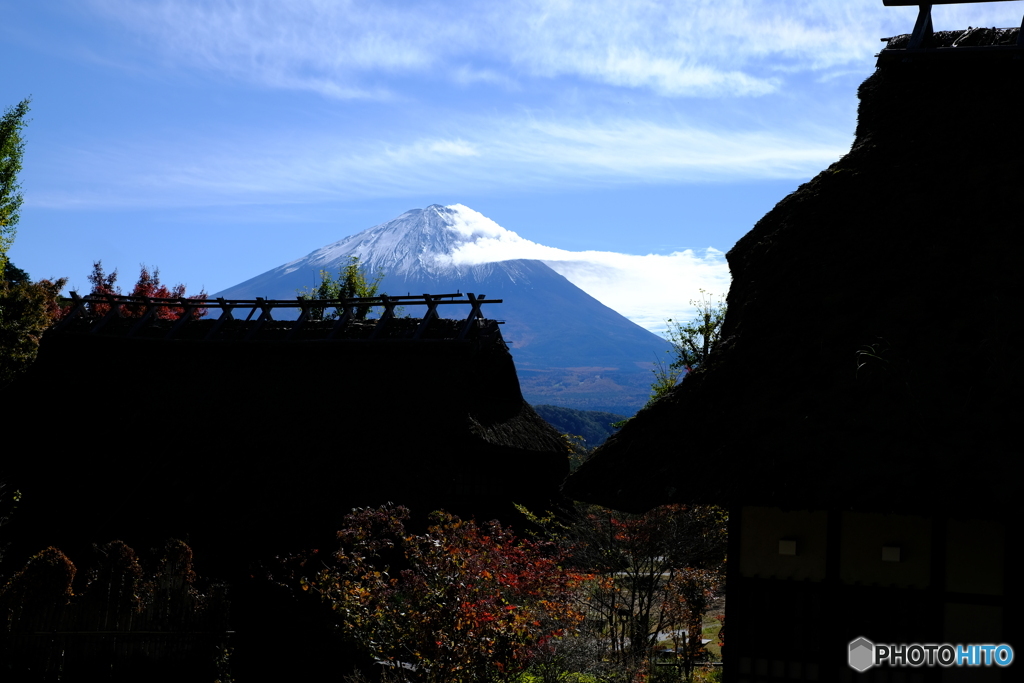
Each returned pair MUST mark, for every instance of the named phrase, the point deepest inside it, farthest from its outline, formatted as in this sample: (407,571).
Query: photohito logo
(863,654)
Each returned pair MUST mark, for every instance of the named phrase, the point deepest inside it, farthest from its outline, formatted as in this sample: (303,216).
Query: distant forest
(593,425)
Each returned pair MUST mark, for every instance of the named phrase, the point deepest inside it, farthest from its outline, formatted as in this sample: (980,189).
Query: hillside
(593,425)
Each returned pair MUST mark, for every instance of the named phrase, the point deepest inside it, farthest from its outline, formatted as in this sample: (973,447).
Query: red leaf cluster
(148,286)
(471,602)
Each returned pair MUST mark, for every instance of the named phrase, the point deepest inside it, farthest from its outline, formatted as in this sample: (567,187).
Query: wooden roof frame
(79,307)
(923,27)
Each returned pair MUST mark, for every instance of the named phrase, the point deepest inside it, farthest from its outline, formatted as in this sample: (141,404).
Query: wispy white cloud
(339,48)
(354,48)
(451,148)
(346,48)
(470,75)
(645,150)
(520,153)
(645,288)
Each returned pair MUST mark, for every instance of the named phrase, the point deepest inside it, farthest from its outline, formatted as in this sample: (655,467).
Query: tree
(657,575)
(666,377)
(11,149)
(8,503)
(13,274)
(694,341)
(27,309)
(351,283)
(695,590)
(472,603)
(131,613)
(148,286)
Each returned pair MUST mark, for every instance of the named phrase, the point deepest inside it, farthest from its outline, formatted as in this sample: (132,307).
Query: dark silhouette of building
(253,448)
(861,417)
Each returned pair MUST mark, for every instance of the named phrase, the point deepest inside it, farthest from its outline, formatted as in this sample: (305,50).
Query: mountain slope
(569,348)
(593,425)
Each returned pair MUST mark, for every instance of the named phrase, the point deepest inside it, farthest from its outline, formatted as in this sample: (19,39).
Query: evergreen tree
(351,283)
(11,149)
(13,274)
(27,309)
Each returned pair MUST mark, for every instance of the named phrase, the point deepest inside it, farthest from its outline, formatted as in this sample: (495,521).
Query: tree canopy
(694,341)
(352,282)
(657,576)
(465,603)
(11,149)
(27,309)
(148,286)
(13,274)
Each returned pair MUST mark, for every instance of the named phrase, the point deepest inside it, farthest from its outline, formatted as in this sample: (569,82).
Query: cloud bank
(467,97)
(673,48)
(647,288)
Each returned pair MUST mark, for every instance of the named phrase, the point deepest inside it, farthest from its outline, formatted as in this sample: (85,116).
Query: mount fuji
(569,348)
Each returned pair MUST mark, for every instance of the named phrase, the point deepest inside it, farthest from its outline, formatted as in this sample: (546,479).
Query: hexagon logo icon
(862,654)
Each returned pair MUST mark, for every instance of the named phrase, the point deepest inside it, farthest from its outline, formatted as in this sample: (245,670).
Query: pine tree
(11,149)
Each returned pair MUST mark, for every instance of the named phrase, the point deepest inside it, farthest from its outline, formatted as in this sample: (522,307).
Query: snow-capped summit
(420,247)
(569,348)
(436,241)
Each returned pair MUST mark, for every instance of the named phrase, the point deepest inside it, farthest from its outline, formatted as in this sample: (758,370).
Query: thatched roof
(274,438)
(870,355)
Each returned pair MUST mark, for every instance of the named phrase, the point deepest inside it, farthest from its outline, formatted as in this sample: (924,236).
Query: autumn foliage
(148,286)
(27,309)
(657,576)
(461,603)
(121,620)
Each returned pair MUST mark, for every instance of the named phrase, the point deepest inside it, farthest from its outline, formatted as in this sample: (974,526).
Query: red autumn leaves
(148,286)
(469,603)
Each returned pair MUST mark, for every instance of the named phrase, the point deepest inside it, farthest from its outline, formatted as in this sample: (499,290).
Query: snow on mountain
(569,348)
(423,241)
(422,245)
(453,242)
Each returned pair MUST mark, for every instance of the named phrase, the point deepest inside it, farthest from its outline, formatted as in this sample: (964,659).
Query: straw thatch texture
(870,354)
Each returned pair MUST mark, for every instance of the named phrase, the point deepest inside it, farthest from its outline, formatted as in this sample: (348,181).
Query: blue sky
(217,139)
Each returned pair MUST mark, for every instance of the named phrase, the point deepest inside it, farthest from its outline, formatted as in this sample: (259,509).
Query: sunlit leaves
(12,147)
(467,602)
(694,341)
(352,283)
(27,309)
(148,286)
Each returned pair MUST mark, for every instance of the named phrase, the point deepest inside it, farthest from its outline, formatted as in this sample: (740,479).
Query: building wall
(804,583)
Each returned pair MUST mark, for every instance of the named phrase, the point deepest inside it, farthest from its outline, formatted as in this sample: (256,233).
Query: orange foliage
(473,603)
(147,287)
